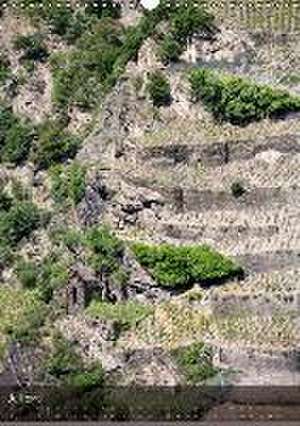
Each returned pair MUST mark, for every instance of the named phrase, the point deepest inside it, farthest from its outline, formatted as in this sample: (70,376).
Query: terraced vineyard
(259,229)
(128,130)
(191,182)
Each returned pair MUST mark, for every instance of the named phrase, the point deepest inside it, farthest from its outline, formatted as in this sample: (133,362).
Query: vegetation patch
(99,57)
(63,359)
(159,89)
(18,142)
(68,183)
(127,314)
(195,361)
(32,47)
(16,137)
(46,144)
(106,254)
(21,314)
(182,266)
(66,365)
(237,100)
(102,249)
(19,217)
(68,20)
(169,49)
(103,48)
(174,324)
(19,222)
(45,277)
(79,77)
(186,19)
(53,145)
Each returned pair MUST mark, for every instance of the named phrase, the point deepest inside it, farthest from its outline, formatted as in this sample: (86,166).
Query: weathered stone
(92,206)
(132,207)
(82,285)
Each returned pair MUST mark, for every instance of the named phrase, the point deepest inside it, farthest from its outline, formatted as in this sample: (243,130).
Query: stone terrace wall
(220,153)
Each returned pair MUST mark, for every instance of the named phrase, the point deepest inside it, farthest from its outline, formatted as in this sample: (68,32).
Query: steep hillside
(149,200)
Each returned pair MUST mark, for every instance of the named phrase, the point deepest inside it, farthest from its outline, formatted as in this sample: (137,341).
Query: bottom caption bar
(207,404)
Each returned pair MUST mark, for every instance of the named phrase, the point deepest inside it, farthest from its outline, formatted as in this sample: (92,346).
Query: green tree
(195,361)
(19,222)
(68,183)
(32,46)
(237,100)
(159,88)
(183,266)
(80,76)
(53,145)
(18,143)
(107,250)
(169,49)
(189,18)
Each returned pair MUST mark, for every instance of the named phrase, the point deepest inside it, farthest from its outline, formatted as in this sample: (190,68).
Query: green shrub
(18,143)
(53,145)
(7,121)
(27,273)
(127,314)
(5,71)
(79,24)
(237,189)
(71,238)
(80,76)
(106,249)
(183,266)
(58,15)
(159,89)
(237,100)
(18,219)
(119,277)
(195,361)
(134,38)
(45,276)
(63,359)
(86,380)
(32,46)
(68,183)
(104,252)
(21,314)
(16,137)
(188,18)
(169,50)
(19,222)
(28,329)
(55,13)
(53,274)
(65,364)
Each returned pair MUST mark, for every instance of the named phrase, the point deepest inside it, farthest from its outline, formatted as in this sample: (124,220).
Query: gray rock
(92,206)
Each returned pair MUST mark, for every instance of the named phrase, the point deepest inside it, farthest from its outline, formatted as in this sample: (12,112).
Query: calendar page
(149,210)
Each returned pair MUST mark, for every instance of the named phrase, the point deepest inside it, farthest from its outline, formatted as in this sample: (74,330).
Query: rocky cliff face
(166,175)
